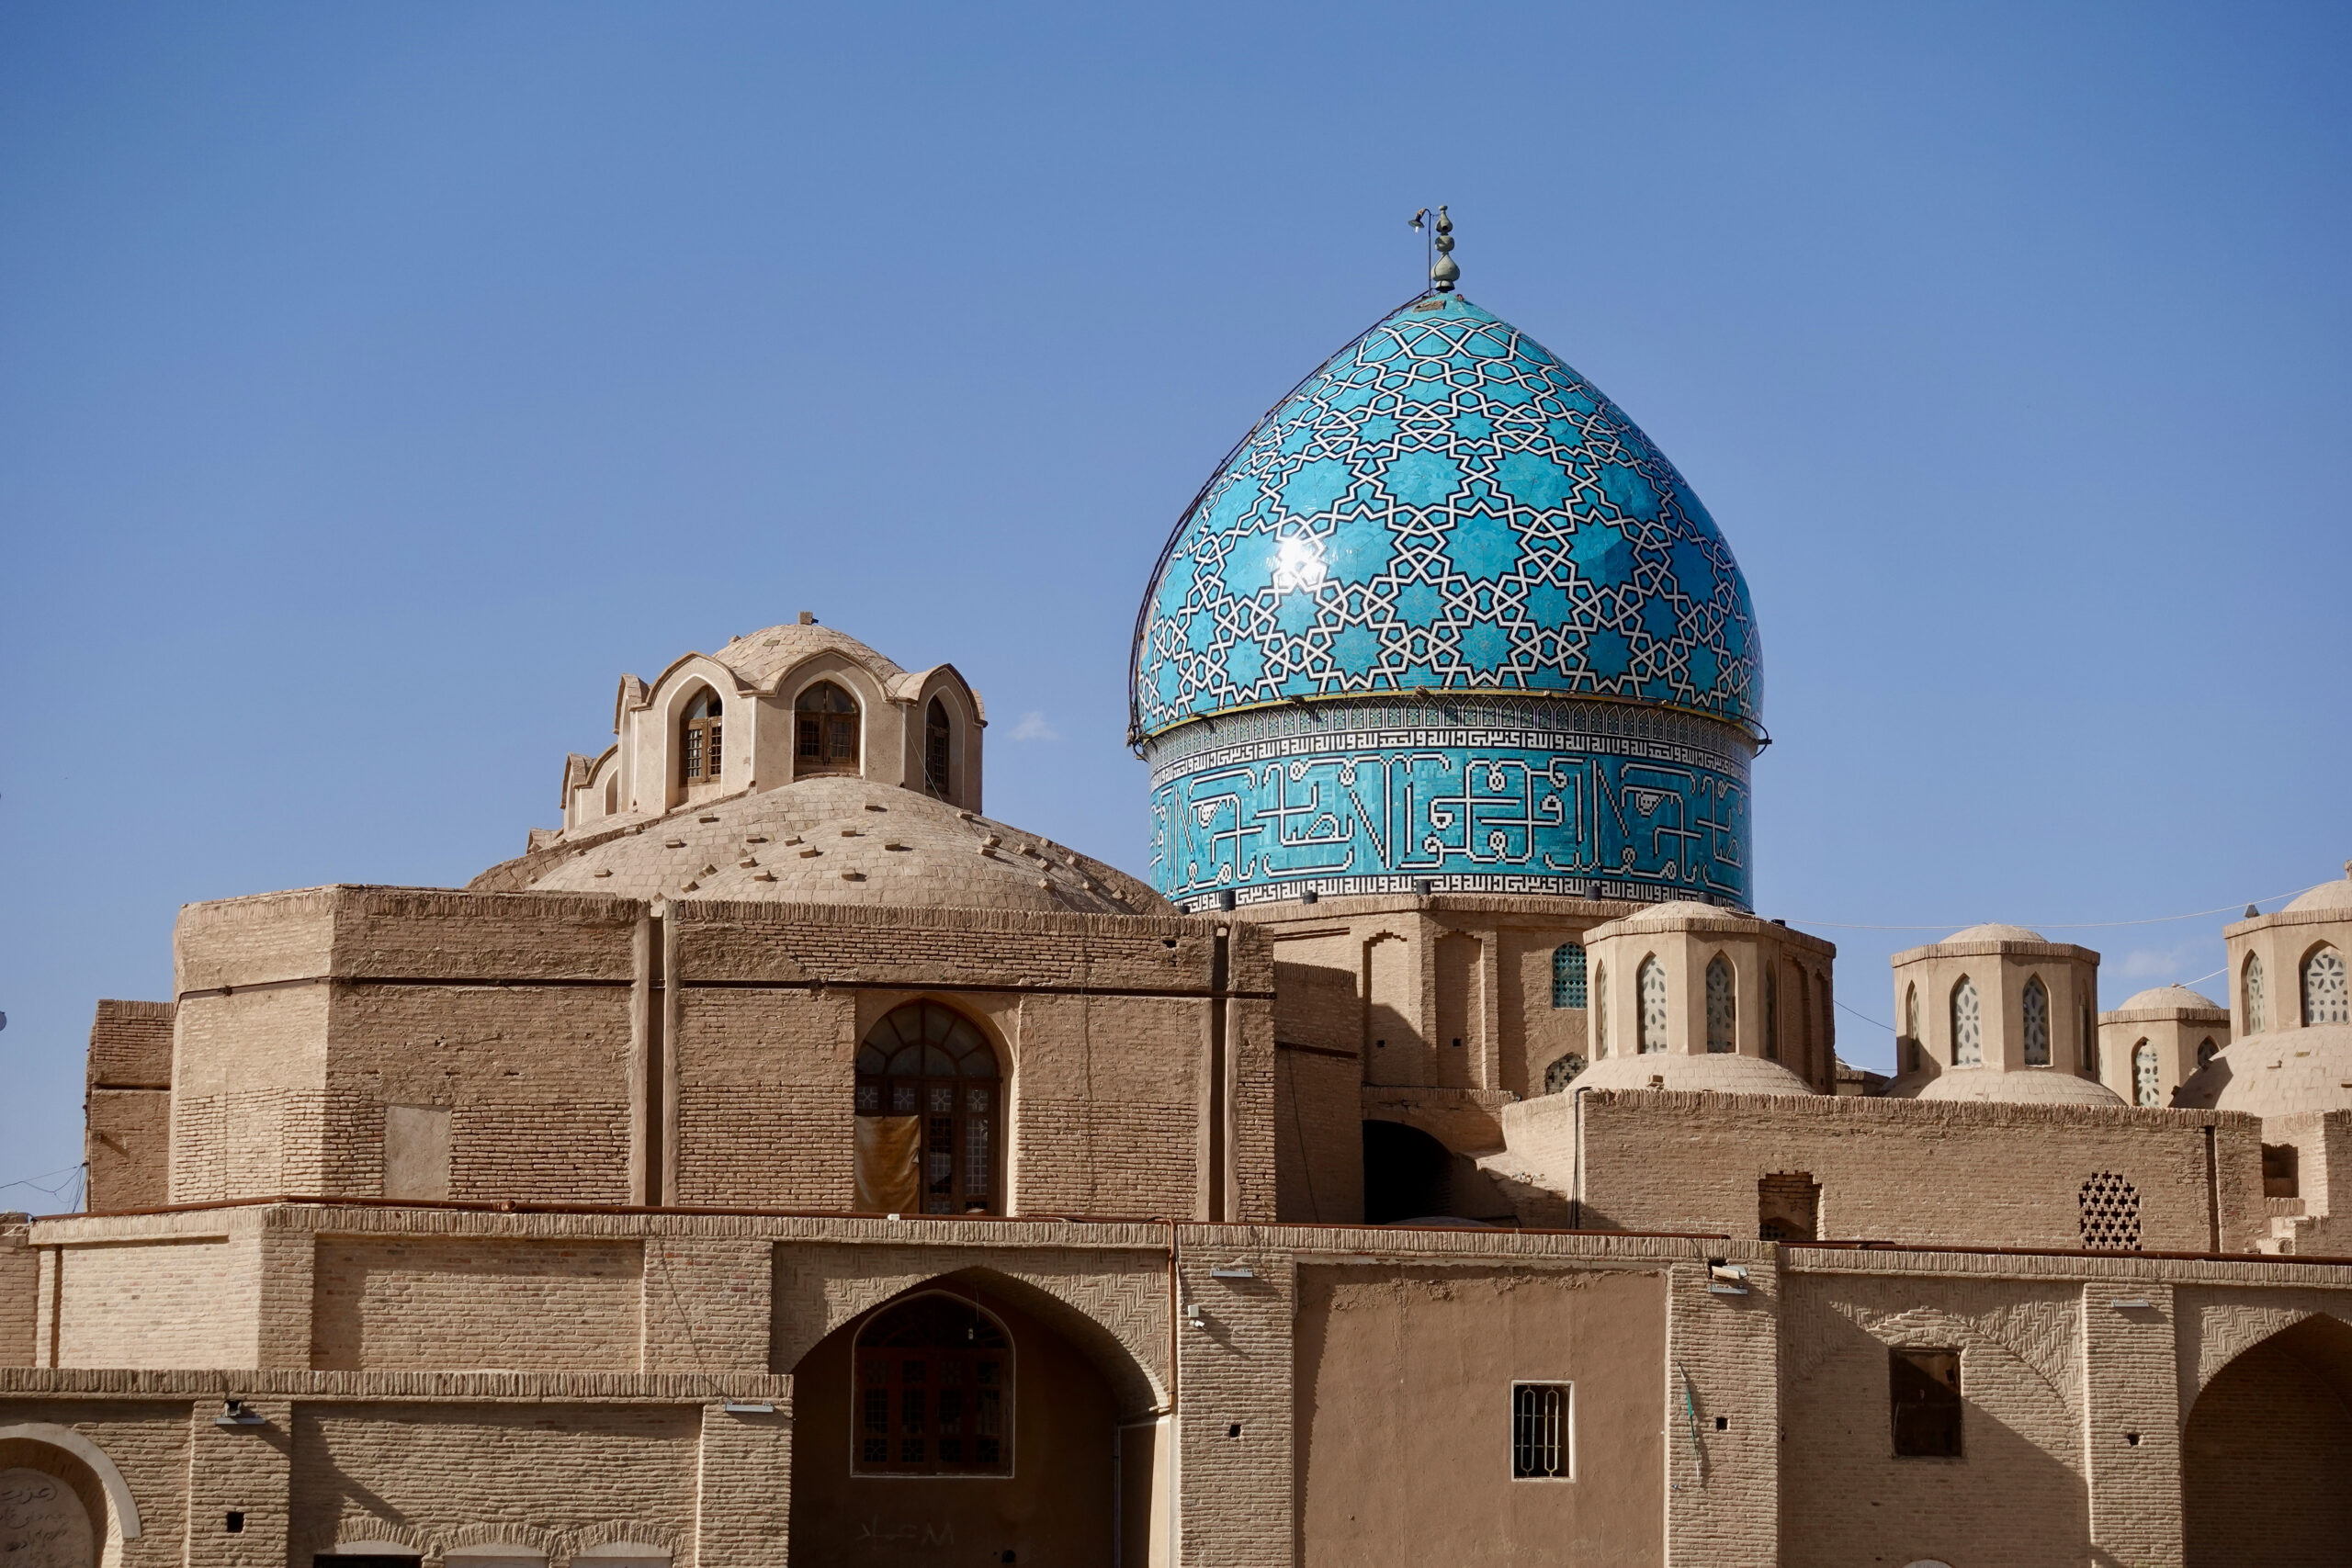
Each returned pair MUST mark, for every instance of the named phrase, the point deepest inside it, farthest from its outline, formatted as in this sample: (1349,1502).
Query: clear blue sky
(379,384)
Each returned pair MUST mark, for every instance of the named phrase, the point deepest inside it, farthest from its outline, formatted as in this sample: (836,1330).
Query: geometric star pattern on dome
(1444,504)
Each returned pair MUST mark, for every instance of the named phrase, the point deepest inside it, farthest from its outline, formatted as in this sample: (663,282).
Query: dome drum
(1469,793)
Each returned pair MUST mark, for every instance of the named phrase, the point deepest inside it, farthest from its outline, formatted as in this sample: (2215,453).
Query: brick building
(784,1161)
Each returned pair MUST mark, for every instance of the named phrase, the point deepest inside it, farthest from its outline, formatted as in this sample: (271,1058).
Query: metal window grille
(1539,1431)
(1567,975)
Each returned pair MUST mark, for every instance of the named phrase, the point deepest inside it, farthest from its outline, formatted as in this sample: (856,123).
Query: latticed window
(935,1390)
(2110,1214)
(2257,1009)
(699,751)
(1562,1073)
(2325,997)
(2036,1009)
(1723,1005)
(1567,975)
(1651,978)
(1967,1025)
(1541,1440)
(937,772)
(927,1087)
(1600,1010)
(2147,1082)
(824,731)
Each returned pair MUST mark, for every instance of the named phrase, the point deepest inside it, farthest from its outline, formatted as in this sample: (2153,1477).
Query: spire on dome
(1447,272)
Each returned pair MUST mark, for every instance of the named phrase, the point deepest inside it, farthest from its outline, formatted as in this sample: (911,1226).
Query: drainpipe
(1576,1158)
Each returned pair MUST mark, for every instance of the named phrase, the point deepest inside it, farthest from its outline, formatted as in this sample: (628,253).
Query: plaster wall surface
(1446,1342)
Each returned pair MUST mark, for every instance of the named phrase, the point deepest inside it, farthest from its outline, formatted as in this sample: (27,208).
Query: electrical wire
(2053,925)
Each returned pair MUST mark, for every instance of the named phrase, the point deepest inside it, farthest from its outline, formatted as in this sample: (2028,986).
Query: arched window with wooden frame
(938,751)
(935,1390)
(700,747)
(824,732)
(929,1094)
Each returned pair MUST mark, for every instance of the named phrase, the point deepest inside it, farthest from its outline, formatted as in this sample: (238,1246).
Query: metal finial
(1445,274)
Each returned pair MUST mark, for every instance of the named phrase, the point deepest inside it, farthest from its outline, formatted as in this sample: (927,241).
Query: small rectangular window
(1923,1390)
(1541,1439)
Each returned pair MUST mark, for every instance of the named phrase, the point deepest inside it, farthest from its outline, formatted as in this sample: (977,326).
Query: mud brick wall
(477,1302)
(1923,1172)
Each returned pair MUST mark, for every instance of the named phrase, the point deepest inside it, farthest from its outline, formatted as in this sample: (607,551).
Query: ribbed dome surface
(1445,505)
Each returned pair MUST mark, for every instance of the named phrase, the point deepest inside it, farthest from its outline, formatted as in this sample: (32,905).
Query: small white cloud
(1033,727)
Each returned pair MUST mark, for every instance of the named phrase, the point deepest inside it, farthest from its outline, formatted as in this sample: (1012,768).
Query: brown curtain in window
(889,1180)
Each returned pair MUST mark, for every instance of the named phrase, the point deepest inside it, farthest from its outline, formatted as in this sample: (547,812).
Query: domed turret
(1446,614)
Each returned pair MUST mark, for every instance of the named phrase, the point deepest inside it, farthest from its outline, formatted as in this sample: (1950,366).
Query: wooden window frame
(891,1372)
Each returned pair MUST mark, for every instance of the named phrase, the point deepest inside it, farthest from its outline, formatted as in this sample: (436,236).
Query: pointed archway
(2266,1449)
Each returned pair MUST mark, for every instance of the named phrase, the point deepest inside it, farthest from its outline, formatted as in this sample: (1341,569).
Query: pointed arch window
(928,1095)
(2036,1011)
(2206,1052)
(1600,1010)
(1911,1027)
(2147,1081)
(938,772)
(2090,1042)
(1967,1025)
(1772,1011)
(699,748)
(2252,991)
(1805,1017)
(824,731)
(1651,978)
(2325,995)
(934,1390)
(1723,1005)
(1567,975)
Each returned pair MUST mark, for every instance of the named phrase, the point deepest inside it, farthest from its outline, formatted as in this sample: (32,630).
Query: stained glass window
(1652,978)
(2037,1023)
(2326,999)
(1567,975)
(1967,1032)
(1723,1005)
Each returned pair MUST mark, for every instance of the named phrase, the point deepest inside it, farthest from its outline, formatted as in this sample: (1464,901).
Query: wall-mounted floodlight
(749,1407)
(1233,1272)
(237,1412)
(1726,1278)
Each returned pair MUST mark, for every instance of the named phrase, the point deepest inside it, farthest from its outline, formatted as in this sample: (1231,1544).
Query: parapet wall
(1932,1173)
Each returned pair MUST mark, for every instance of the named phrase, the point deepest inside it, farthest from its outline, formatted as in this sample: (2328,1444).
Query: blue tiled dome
(1445,506)
(1445,621)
